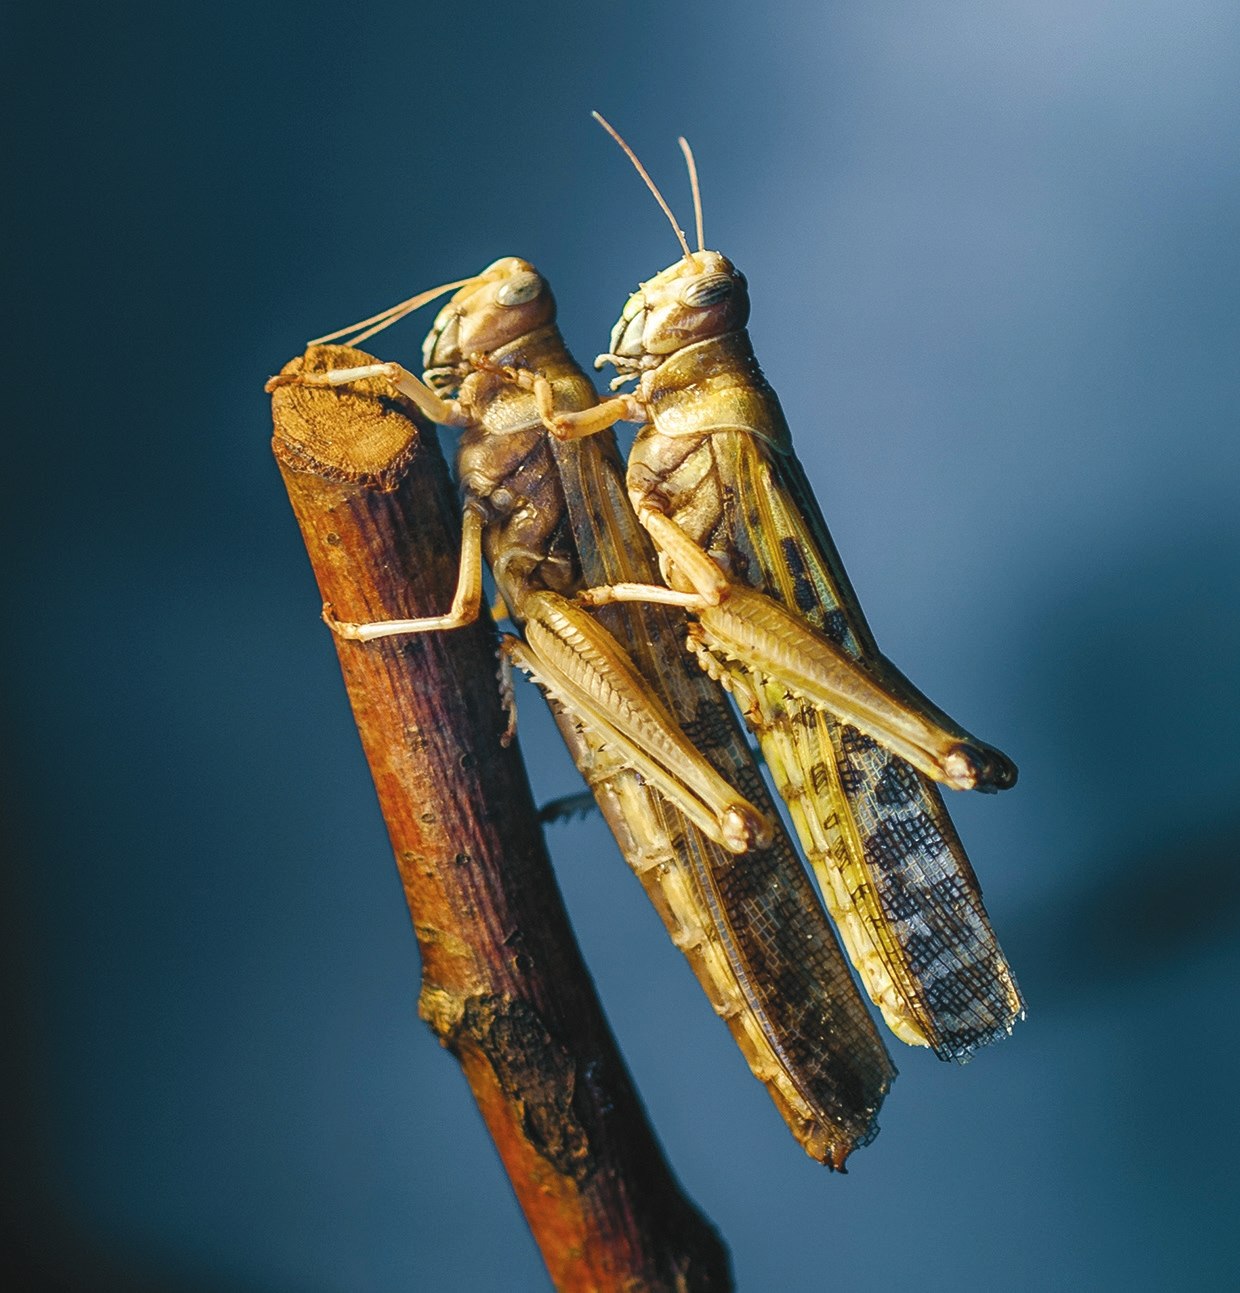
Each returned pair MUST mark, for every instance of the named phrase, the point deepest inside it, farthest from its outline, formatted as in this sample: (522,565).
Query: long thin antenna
(394,313)
(697,192)
(641,170)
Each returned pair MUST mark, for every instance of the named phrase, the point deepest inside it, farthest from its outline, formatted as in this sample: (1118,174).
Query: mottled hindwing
(893,872)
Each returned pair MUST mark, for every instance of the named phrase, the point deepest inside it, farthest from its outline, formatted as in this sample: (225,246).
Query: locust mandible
(853,746)
(552,518)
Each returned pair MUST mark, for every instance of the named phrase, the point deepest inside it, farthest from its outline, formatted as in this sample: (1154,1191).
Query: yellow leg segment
(465,604)
(739,623)
(586,671)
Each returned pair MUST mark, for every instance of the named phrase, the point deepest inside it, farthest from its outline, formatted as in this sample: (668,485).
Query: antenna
(697,192)
(641,170)
(385,318)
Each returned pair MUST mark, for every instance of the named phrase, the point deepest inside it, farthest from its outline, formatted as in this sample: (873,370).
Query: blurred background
(994,255)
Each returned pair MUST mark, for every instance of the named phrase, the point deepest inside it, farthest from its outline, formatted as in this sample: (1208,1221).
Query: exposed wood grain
(503,983)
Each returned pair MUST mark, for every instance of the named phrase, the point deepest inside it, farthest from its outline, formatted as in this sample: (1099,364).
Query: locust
(654,737)
(854,748)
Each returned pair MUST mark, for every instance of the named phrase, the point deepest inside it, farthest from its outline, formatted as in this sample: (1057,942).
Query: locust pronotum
(851,743)
(552,518)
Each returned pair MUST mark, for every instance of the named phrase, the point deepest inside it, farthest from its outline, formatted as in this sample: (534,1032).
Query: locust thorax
(507,300)
(699,297)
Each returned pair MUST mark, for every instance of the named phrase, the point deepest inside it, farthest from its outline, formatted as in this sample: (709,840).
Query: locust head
(699,297)
(504,302)
(702,296)
(487,312)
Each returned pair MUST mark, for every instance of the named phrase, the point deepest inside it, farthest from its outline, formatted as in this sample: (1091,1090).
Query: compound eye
(710,289)
(519,289)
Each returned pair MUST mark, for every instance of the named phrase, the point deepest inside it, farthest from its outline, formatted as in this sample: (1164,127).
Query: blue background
(993,251)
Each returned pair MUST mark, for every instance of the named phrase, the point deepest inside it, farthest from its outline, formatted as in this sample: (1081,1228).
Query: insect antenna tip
(697,192)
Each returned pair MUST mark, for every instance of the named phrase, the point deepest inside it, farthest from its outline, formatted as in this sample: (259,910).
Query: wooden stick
(503,983)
